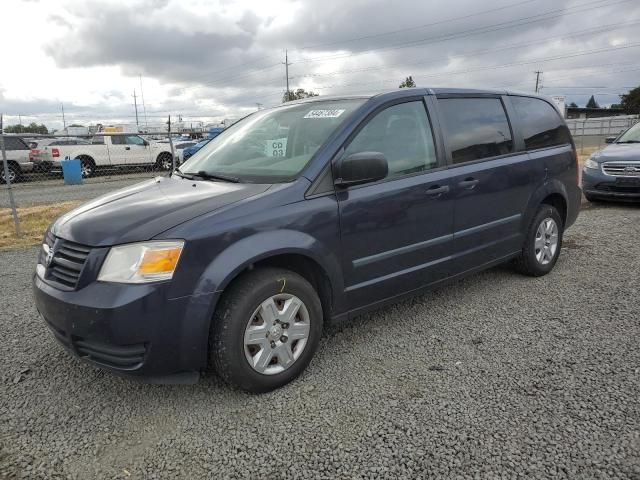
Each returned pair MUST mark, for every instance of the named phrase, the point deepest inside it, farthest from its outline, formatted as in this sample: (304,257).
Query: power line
(475,53)
(417,27)
(474,31)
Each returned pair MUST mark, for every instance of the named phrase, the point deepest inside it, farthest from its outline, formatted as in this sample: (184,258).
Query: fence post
(582,137)
(173,153)
(5,165)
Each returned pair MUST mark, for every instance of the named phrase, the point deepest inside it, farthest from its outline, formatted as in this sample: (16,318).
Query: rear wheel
(265,330)
(542,244)
(164,161)
(87,167)
(13,173)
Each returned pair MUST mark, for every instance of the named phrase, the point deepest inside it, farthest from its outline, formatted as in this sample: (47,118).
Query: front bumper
(595,183)
(132,330)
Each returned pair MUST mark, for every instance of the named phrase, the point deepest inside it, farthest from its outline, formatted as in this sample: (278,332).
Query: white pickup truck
(108,151)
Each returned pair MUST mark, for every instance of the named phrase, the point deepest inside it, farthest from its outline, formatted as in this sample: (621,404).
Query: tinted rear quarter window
(541,124)
(476,128)
(13,143)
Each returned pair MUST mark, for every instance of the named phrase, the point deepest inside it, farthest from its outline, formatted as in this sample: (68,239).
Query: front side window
(403,134)
(476,128)
(118,140)
(540,122)
(272,145)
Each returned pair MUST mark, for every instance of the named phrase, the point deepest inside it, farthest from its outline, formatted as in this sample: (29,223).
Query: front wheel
(13,173)
(165,161)
(542,244)
(265,330)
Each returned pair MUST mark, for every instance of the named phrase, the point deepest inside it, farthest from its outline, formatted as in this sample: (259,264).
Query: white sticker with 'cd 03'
(324,114)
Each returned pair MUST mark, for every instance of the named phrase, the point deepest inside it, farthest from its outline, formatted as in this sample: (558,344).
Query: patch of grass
(33,220)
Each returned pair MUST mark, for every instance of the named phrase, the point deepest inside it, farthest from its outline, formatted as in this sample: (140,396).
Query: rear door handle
(437,190)
(469,183)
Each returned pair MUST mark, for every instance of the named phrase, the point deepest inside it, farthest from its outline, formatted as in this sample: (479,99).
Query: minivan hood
(619,152)
(147,209)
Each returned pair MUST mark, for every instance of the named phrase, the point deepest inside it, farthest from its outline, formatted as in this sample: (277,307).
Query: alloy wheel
(546,242)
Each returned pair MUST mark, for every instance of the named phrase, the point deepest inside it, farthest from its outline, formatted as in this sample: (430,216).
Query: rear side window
(476,128)
(13,143)
(118,140)
(540,122)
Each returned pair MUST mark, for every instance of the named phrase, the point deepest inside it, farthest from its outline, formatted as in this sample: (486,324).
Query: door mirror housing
(610,139)
(362,167)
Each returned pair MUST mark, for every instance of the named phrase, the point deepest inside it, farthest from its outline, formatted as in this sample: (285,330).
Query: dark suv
(308,212)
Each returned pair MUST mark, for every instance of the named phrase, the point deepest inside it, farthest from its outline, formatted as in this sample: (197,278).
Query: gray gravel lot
(54,190)
(496,376)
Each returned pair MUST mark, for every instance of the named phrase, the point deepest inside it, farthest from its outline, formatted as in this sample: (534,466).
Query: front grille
(67,263)
(622,169)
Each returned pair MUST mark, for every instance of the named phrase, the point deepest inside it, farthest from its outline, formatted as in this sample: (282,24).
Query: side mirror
(145,142)
(362,167)
(610,139)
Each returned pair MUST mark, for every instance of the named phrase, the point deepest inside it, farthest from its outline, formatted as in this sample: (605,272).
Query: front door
(396,233)
(137,151)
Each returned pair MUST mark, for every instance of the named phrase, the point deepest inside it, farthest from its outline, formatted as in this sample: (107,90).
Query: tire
(534,261)
(87,167)
(236,338)
(14,173)
(164,162)
(591,198)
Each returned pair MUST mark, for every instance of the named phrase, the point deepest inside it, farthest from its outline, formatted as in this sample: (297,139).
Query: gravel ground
(54,190)
(496,376)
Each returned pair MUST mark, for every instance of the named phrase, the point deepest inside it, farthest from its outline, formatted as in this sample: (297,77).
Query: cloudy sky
(214,59)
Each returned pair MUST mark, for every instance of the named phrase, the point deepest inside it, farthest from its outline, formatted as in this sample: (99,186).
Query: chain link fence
(591,133)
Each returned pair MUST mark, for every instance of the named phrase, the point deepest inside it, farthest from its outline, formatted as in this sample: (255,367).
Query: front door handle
(437,190)
(127,148)
(469,183)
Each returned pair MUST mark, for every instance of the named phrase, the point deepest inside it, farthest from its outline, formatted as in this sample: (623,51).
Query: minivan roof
(406,92)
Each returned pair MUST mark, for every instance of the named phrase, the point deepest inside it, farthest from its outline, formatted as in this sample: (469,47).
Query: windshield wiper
(182,174)
(216,176)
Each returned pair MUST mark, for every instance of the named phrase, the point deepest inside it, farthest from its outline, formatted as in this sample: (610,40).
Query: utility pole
(259,105)
(286,70)
(538,85)
(19,119)
(135,105)
(64,122)
(144,108)
(7,176)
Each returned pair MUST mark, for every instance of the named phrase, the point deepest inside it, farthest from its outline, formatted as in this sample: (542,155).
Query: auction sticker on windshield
(324,114)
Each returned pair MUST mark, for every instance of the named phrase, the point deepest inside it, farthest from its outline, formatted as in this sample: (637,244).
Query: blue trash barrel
(71,171)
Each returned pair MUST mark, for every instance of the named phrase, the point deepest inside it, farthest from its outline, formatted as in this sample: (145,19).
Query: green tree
(298,94)
(592,103)
(631,101)
(76,125)
(31,128)
(407,82)
(573,105)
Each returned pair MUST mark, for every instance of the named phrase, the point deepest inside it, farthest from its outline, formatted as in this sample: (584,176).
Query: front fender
(237,257)
(231,262)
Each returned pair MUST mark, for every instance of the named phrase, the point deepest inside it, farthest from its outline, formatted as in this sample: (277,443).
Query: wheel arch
(552,193)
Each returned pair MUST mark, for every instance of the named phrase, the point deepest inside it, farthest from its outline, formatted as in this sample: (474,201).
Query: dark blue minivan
(310,212)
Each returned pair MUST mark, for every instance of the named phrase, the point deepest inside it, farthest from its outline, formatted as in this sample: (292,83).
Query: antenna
(144,108)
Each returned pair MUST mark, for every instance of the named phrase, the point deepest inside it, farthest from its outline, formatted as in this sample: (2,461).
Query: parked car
(239,258)
(18,159)
(189,151)
(614,172)
(109,150)
(180,148)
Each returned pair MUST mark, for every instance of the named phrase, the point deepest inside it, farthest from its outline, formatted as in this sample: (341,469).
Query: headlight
(141,262)
(592,164)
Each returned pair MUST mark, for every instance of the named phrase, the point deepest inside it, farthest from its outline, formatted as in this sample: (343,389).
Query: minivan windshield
(630,136)
(270,146)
